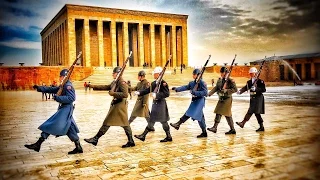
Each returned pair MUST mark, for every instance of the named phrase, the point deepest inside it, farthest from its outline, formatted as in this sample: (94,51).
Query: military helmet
(196,71)
(141,73)
(253,70)
(117,69)
(223,69)
(157,70)
(63,72)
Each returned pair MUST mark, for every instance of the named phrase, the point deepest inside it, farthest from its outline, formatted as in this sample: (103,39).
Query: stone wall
(23,78)
(237,71)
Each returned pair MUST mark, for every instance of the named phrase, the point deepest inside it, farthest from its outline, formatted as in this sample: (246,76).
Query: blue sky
(251,29)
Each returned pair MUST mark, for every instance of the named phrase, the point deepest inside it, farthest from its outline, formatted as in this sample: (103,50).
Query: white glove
(137,93)
(253,88)
(238,92)
(154,95)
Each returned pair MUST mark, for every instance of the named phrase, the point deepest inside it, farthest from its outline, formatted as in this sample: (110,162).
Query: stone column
(141,45)
(59,46)
(71,41)
(135,46)
(313,71)
(100,39)
(49,51)
(62,45)
(113,42)
(163,45)
(184,45)
(286,72)
(153,46)
(125,41)
(173,46)
(303,71)
(86,53)
(295,69)
(53,48)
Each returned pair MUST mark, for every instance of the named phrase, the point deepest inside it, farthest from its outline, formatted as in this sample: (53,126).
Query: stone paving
(288,149)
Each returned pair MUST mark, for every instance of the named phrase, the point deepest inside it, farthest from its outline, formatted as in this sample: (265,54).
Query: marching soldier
(225,101)
(118,113)
(159,111)
(141,108)
(195,110)
(62,122)
(256,99)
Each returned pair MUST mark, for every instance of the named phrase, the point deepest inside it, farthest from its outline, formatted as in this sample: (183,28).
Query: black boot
(78,148)
(230,123)
(214,127)
(142,136)
(232,131)
(168,138)
(176,125)
(130,142)
(94,140)
(261,128)
(203,134)
(36,146)
(242,123)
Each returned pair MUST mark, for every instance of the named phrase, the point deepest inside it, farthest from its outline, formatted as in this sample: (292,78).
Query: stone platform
(288,149)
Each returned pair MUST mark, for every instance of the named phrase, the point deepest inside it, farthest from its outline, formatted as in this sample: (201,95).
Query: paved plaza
(288,149)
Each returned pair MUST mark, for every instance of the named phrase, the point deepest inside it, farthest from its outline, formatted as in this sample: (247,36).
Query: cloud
(21,44)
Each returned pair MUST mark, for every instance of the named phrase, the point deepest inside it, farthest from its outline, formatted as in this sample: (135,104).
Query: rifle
(228,74)
(258,74)
(199,76)
(67,77)
(114,82)
(158,81)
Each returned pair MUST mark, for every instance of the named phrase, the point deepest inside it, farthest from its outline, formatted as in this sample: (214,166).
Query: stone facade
(106,36)
(283,68)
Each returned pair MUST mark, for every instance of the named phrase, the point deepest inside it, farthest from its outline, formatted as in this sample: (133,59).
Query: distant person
(89,85)
(294,82)
(85,86)
(44,93)
(175,70)
(212,82)
(181,69)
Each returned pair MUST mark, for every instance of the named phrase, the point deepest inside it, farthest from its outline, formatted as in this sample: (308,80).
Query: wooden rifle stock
(67,77)
(158,81)
(228,74)
(199,76)
(119,75)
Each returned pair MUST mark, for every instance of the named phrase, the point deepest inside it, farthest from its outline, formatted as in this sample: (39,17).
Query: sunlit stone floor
(289,149)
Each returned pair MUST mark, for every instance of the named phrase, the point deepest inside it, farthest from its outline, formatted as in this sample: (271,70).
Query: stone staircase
(103,76)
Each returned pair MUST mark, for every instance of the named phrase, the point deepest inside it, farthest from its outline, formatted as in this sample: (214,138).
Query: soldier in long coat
(224,105)
(195,110)
(118,112)
(62,122)
(256,99)
(159,111)
(141,108)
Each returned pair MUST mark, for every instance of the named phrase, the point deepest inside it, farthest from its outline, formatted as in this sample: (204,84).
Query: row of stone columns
(53,47)
(122,51)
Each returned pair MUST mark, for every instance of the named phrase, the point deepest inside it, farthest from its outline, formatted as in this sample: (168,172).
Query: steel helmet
(157,70)
(63,72)
(253,70)
(196,71)
(223,69)
(117,69)
(141,73)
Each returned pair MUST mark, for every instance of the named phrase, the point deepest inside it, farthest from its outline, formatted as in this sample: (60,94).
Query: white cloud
(21,44)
